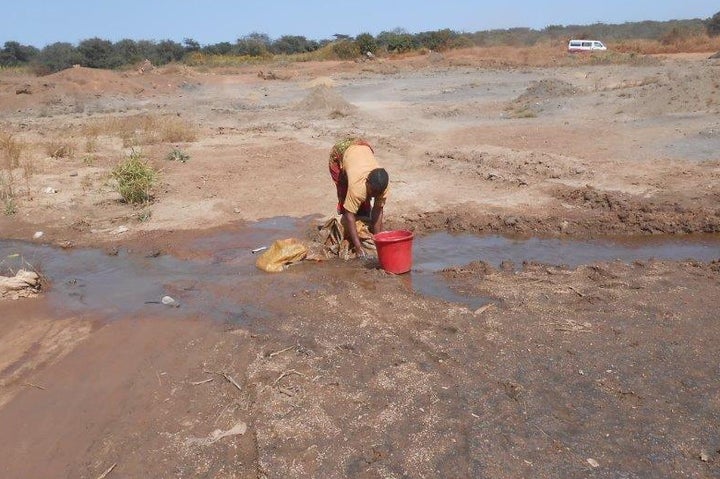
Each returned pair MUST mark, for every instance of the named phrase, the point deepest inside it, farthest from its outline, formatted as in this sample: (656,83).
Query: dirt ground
(336,369)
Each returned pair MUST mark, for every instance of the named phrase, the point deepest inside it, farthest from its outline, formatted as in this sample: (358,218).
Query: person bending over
(362,187)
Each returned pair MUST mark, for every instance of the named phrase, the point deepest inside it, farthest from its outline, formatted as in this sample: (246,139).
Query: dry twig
(197,383)
(109,470)
(34,386)
(287,373)
(280,352)
(576,291)
(232,381)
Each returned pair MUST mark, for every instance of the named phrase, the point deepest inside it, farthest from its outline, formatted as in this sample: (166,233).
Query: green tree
(191,45)
(167,51)
(13,54)
(98,53)
(713,25)
(222,48)
(289,44)
(254,45)
(437,40)
(398,41)
(127,52)
(346,49)
(56,57)
(366,43)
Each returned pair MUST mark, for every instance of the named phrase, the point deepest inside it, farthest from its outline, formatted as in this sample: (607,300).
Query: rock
(170,301)
(38,234)
(24,284)
(511,221)
(49,190)
(593,462)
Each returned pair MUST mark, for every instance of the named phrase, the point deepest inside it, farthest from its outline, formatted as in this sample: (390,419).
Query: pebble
(49,190)
(38,234)
(169,301)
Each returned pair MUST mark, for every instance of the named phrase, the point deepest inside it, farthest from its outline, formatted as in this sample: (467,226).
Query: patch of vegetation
(346,50)
(10,154)
(60,149)
(524,112)
(258,47)
(11,151)
(135,178)
(137,130)
(9,206)
(177,155)
(144,216)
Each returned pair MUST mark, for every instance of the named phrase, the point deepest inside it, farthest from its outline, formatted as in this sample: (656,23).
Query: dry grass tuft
(139,130)
(11,152)
(60,149)
(669,45)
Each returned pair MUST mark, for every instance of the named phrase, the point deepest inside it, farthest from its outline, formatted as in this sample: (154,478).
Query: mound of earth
(75,84)
(690,90)
(323,98)
(538,94)
(544,89)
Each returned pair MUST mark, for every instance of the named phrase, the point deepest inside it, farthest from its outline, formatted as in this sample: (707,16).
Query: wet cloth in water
(281,254)
(331,241)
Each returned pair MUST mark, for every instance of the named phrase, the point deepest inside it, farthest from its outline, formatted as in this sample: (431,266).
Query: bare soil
(338,369)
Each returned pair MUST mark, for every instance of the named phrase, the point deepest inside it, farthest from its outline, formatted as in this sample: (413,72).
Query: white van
(586,46)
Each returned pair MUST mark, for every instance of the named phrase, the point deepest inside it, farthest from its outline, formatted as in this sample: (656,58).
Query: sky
(42,22)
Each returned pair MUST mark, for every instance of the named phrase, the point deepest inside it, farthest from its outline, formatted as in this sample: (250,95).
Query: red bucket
(394,249)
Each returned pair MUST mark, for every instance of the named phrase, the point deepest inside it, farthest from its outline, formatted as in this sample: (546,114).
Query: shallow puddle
(216,276)
(437,251)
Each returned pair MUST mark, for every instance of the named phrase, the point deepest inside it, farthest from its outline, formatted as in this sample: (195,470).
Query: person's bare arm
(376,218)
(348,220)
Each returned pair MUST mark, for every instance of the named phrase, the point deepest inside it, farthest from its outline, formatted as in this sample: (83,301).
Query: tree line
(100,53)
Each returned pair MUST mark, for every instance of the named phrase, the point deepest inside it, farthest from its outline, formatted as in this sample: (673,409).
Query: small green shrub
(144,216)
(177,155)
(134,179)
(10,208)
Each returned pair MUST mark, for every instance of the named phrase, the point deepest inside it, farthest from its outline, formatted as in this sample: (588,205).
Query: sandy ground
(338,369)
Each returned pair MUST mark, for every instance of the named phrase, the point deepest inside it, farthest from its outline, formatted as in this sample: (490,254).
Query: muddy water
(437,251)
(213,276)
(441,250)
(216,274)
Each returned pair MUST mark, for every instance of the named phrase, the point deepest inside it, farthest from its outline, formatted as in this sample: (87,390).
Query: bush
(134,179)
(366,43)
(713,25)
(346,50)
(56,57)
(177,155)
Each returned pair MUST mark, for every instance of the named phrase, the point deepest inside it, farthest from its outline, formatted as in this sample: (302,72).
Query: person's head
(377,181)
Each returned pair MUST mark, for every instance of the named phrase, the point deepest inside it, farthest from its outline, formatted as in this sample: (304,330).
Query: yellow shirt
(358,162)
